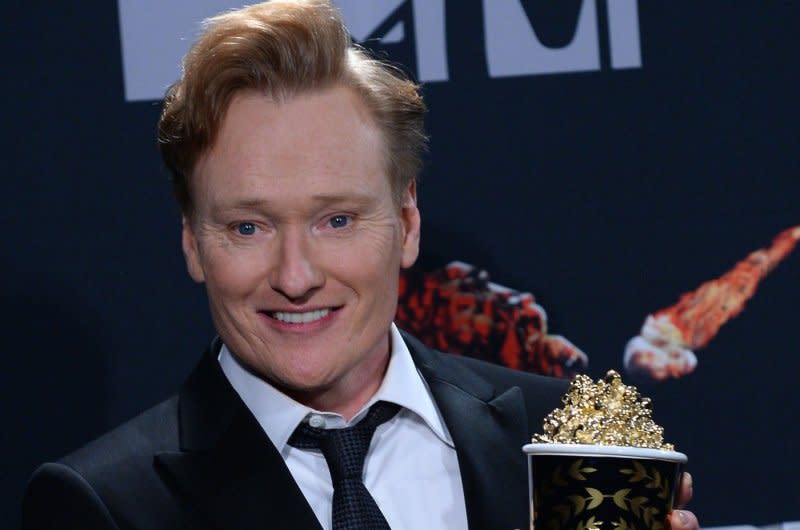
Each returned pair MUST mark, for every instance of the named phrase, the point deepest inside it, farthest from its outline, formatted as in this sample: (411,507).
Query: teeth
(300,318)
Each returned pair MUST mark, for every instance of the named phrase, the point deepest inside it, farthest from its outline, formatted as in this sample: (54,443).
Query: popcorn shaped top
(603,413)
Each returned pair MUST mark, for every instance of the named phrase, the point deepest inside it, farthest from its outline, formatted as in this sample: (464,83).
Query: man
(294,158)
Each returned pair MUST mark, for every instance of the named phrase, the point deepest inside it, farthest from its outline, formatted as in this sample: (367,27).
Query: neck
(348,395)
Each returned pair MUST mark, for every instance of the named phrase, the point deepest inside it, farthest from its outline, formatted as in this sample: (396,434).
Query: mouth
(301,317)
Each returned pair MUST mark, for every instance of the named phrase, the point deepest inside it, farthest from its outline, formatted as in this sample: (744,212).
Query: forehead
(318,142)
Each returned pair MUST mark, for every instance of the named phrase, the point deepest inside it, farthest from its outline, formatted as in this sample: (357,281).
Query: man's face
(300,244)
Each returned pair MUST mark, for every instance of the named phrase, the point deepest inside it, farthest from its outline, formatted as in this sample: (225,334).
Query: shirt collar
(279,415)
(404,385)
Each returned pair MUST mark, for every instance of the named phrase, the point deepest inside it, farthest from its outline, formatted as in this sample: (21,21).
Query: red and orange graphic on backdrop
(666,343)
(458,309)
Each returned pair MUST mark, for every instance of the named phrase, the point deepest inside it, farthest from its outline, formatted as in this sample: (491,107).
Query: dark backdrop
(606,193)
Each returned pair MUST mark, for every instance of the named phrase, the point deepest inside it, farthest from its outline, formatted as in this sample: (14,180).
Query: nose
(295,272)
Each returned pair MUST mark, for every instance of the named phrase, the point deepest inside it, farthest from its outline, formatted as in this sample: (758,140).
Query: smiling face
(300,244)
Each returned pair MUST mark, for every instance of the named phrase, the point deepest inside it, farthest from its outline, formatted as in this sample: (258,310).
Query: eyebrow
(357,197)
(319,198)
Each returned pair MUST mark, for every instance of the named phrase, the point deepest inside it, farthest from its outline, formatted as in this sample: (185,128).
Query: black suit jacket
(200,460)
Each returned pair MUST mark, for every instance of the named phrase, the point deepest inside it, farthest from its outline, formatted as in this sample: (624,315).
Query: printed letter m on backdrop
(513,49)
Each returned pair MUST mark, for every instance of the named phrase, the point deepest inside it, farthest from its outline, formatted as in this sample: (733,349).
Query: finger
(683,520)
(685,493)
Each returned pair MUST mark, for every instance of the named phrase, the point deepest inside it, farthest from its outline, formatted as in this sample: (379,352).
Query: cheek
(230,274)
(377,269)
(381,246)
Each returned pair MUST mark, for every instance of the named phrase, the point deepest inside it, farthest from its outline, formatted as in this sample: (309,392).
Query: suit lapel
(227,466)
(488,431)
(230,471)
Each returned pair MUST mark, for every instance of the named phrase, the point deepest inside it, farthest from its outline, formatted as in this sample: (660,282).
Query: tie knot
(345,449)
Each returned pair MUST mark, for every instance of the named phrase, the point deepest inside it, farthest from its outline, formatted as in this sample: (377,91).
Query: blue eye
(246,229)
(339,221)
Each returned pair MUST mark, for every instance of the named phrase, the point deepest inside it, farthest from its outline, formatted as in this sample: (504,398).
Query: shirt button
(318,422)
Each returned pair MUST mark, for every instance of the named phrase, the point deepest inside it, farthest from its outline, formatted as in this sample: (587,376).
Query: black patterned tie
(345,451)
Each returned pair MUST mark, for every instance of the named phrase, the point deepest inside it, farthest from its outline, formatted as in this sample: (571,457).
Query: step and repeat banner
(612,184)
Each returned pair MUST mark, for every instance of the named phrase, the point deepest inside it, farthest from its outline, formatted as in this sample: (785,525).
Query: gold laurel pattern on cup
(636,509)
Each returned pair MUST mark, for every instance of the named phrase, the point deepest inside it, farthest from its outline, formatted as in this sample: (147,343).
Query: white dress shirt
(411,468)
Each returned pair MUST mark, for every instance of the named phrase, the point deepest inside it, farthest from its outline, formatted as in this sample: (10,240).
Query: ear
(191,252)
(409,214)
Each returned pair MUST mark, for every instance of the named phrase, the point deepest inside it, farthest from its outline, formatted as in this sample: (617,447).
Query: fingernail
(684,518)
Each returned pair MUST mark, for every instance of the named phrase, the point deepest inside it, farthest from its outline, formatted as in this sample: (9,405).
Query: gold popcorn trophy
(602,462)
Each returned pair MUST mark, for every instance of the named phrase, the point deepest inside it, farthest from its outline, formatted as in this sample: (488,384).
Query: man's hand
(684,519)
